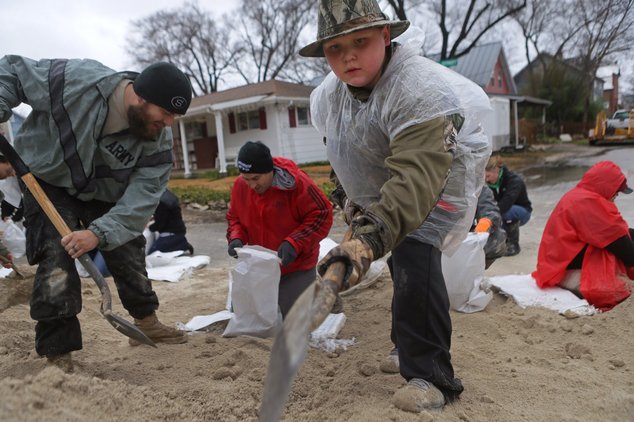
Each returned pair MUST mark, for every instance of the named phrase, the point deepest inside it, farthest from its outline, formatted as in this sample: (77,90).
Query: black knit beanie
(164,85)
(255,157)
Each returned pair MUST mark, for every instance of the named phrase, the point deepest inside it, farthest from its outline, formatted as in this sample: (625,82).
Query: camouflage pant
(56,298)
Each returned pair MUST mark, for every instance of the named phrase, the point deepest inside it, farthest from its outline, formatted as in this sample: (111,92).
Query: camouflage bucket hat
(341,17)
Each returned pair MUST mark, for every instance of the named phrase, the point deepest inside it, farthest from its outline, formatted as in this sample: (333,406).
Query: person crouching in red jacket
(276,205)
(587,246)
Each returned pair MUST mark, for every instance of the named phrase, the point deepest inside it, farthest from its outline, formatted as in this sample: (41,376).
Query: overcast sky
(94,29)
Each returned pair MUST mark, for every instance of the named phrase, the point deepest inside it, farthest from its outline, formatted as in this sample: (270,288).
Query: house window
(303,116)
(298,116)
(500,81)
(247,120)
(194,130)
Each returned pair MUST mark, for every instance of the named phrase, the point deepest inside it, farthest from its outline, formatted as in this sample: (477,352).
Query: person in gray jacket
(488,219)
(100,144)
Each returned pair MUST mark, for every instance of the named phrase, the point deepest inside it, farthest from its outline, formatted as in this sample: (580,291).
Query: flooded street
(571,169)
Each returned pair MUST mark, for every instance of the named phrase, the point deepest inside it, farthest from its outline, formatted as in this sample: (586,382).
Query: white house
(218,124)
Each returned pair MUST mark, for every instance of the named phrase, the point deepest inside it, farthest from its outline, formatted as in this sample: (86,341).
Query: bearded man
(100,144)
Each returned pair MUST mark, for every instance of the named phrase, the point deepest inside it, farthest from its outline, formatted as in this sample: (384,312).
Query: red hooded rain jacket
(586,216)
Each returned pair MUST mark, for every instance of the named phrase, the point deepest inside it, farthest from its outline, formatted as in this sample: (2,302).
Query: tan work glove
(350,211)
(355,254)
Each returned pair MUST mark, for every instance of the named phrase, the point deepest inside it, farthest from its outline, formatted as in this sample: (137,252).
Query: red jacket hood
(604,178)
(286,164)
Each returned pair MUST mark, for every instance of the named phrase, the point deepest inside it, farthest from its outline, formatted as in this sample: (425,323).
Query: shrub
(200,195)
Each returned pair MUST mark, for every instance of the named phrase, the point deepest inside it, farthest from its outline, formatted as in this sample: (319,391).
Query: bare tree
(549,28)
(584,33)
(607,32)
(271,33)
(190,38)
(472,23)
(462,24)
(401,7)
(302,70)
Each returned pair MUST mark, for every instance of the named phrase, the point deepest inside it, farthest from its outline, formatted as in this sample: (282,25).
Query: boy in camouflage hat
(408,155)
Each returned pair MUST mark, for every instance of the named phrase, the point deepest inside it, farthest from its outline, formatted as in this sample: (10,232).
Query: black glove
(235,243)
(350,211)
(287,253)
(9,210)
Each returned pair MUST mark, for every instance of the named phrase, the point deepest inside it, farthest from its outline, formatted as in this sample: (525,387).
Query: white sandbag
(464,273)
(172,266)
(150,238)
(525,292)
(255,283)
(10,187)
(14,238)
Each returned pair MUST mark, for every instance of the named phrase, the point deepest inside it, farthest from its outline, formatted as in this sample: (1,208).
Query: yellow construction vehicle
(618,129)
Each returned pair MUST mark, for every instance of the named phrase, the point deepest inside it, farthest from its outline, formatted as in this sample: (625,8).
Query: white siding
(303,144)
(497,125)
(233,141)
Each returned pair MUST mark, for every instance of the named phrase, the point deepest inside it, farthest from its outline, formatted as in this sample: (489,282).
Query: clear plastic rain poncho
(412,90)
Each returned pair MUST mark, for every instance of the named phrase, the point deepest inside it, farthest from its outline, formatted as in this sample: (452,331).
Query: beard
(139,123)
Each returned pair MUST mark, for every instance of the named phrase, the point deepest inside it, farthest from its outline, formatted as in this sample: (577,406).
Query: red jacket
(586,216)
(301,216)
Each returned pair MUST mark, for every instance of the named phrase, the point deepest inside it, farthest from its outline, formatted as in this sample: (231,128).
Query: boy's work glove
(350,211)
(483,226)
(235,243)
(287,253)
(355,254)
(365,242)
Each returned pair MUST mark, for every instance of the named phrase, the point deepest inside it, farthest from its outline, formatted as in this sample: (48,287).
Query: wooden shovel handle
(326,293)
(47,206)
(23,172)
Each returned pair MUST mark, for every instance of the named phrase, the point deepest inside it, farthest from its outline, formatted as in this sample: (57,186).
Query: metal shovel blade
(127,328)
(291,342)
(288,353)
(120,324)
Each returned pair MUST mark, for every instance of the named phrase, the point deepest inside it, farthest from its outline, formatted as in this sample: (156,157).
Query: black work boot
(513,239)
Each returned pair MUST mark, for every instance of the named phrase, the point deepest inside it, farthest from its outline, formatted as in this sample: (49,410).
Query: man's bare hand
(79,242)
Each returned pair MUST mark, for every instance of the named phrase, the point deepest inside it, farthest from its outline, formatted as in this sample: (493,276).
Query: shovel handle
(328,288)
(326,293)
(23,172)
(40,196)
